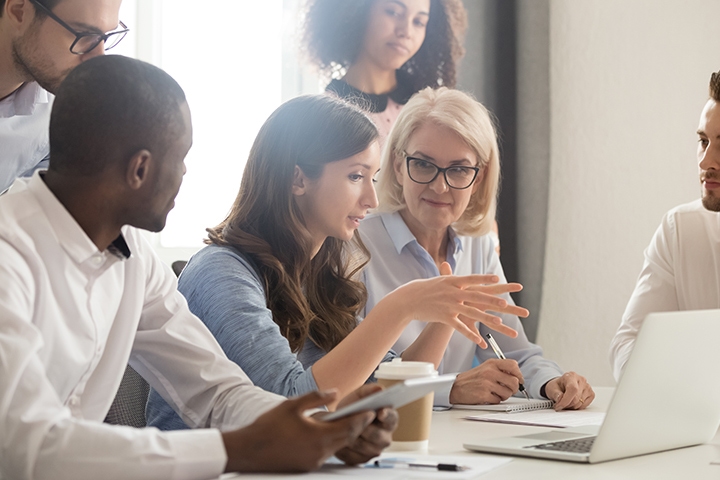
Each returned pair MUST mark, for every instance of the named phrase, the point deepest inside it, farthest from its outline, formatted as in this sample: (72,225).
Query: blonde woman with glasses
(437,192)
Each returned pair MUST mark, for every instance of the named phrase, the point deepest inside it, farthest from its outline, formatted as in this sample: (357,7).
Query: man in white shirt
(682,262)
(82,294)
(40,42)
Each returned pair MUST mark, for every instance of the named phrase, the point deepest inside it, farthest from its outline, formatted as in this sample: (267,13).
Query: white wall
(628,79)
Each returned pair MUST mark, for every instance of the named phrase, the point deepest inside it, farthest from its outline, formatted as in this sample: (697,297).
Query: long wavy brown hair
(319,297)
(333,33)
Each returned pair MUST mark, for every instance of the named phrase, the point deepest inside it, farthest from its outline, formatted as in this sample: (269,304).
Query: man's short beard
(711,202)
(34,70)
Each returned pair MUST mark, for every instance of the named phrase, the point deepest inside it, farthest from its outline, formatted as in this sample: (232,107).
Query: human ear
(300,181)
(18,13)
(138,169)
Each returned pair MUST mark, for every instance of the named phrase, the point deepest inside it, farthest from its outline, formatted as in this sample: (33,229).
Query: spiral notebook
(511,405)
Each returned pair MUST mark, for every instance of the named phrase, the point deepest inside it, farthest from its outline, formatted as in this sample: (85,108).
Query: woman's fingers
(486,301)
(509,309)
(495,289)
(463,301)
(468,329)
(482,317)
(473,315)
(482,301)
(465,281)
(445,269)
(504,329)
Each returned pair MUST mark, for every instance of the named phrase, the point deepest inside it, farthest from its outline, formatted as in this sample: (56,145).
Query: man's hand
(285,440)
(569,392)
(491,382)
(376,436)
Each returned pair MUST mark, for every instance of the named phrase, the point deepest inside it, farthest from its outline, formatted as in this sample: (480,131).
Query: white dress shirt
(24,131)
(71,318)
(397,258)
(681,272)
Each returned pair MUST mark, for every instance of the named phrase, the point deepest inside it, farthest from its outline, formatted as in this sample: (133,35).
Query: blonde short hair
(467,117)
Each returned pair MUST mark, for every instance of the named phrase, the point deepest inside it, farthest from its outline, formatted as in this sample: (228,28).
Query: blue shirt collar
(401,235)
(23,100)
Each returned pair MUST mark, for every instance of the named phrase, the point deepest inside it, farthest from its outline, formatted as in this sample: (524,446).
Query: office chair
(178,265)
(128,408)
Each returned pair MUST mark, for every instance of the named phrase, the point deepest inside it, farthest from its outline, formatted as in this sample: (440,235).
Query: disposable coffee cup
(413,430)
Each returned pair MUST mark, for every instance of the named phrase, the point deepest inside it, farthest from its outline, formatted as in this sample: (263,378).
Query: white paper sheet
(544,418)
(478,464)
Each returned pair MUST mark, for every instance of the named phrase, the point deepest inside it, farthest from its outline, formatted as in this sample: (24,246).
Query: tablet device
(396,396)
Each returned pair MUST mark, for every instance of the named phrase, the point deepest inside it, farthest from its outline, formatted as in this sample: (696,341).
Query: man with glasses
(41,41)
(681,270)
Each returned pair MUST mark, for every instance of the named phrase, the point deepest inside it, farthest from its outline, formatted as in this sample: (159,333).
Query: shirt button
(97,260)
(74,400)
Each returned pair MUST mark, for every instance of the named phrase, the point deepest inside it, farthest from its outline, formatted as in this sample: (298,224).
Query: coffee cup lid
(400,370)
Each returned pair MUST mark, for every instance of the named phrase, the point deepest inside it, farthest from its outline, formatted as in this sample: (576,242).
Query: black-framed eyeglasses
(85,42)
(424,171)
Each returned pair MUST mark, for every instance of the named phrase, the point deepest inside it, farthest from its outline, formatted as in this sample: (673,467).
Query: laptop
(668,397)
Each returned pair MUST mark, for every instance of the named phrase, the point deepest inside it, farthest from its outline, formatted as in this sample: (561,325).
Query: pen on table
(445,467)
(501,356)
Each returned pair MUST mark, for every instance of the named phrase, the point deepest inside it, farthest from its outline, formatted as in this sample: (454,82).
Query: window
(237,62)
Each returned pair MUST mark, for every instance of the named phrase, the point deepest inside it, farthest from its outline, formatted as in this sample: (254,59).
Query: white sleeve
(654,292)
(39,438)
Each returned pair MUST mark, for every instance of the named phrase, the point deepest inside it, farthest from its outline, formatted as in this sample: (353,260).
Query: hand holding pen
(496,348)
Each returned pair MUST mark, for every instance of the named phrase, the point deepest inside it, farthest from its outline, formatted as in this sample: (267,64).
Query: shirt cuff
(442,396)
(543,383)
(198,454)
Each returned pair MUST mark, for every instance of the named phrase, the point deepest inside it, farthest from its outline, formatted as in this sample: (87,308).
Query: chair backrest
(177,266)
(128,408)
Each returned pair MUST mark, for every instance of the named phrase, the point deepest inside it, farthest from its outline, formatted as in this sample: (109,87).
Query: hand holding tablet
(396,396)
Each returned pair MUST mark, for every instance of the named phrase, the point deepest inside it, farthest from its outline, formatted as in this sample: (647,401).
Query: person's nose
(709,159)
(439,185)
(95,52)
(370,199)
(402,27)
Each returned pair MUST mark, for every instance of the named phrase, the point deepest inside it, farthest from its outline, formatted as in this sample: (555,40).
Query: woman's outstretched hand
(461,301)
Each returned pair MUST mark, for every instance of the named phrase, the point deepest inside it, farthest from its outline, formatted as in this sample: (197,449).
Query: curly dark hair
(333,33)
(715,86)
(319,297)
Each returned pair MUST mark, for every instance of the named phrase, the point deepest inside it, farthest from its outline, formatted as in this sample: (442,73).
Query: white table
(449,432)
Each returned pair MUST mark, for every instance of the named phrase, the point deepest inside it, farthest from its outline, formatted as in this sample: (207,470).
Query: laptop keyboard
(579,445)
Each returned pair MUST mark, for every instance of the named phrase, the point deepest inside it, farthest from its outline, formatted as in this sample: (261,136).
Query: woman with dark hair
(277,284)
(380,52)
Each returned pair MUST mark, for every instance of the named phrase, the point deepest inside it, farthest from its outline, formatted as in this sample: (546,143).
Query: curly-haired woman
(381,52)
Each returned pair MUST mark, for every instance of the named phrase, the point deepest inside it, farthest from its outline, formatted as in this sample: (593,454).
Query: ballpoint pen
(501,356)
(445,467)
